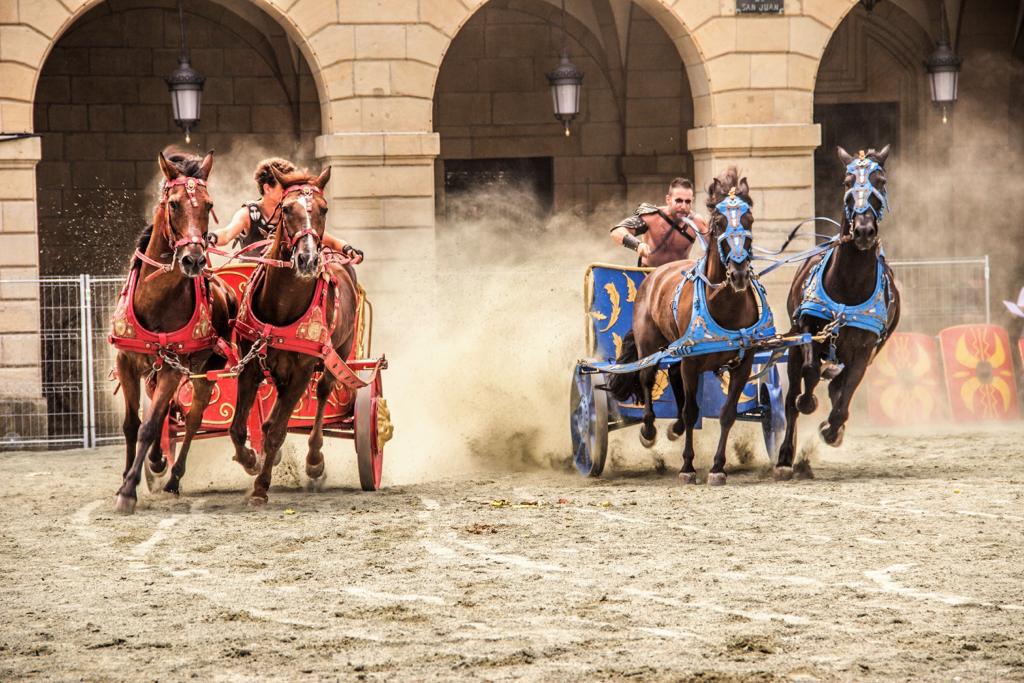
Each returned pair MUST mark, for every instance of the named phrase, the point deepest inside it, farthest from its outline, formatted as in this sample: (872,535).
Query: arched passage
(492,107)
(101,107)
(871,90)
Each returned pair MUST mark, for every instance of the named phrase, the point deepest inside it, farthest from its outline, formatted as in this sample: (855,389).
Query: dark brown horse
(855,283)
(282,293)
(731,302)
(167,303)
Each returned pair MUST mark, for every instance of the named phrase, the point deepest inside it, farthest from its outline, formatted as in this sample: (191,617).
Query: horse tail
(626,386)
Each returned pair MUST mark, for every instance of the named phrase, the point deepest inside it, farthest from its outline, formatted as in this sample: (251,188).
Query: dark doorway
(855,126)
(502,191)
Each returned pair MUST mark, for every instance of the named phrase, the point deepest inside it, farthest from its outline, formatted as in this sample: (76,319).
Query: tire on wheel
(588,422)
(773,420)
(369,451)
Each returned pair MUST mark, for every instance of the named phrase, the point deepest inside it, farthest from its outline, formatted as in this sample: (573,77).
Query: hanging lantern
(186,88)
(943,71)
(566,83)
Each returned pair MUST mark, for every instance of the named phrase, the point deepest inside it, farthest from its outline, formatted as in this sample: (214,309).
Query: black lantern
(943,70)
(566,83)
(186,87)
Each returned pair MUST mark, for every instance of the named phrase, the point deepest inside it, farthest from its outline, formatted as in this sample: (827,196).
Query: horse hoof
(645,441)
(250,464)
(807,404)
(659,465)
(716,478)
(257,501)
(169,488)
(673,434)
(836,440)
(830,371)
(316,484)
(125,504)
(782,473)
(687,478)
(802,470)
(315,471)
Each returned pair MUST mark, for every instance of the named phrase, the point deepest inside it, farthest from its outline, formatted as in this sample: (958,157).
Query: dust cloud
(481,347)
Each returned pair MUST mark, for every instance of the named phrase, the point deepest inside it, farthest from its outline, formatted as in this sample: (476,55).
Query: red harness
(198,334)
(128,334)
(311,333)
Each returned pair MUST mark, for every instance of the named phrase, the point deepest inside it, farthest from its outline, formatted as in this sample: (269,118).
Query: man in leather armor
(662,234)
(257,220)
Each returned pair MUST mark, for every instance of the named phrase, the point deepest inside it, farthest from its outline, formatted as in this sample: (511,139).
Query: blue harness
(871,315)
(704,335)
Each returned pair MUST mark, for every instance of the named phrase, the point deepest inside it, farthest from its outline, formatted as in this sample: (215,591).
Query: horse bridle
(307,191)
(191,185)
(735,235)
(862,189)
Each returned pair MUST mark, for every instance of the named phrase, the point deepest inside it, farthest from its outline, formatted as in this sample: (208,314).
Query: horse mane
(188,164)
(297,178)
(728,179)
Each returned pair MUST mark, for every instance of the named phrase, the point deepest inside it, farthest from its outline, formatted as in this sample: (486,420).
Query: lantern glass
(943,86)
(566,99)
(186,102)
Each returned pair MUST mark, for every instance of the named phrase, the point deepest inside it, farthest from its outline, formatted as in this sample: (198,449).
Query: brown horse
(168,320)
(731,302)
(282,291)
(860,287)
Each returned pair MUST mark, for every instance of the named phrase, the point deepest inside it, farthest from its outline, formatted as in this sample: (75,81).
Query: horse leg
(841,390)
(167,384)
(275,430)
(784,465)
(737,381)
(690,377)
(675,378)
(248,384)
(131,392)
(648,434)
(201,391)
(807,403)
(315,456)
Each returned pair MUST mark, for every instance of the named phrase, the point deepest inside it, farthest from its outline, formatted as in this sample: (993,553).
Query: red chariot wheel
(372,429)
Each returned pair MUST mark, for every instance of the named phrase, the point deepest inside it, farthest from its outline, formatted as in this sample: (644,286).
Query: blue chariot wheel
(588,422)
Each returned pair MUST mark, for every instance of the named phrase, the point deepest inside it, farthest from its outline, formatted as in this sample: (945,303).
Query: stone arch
(443,19)
(43,22)
(100,109)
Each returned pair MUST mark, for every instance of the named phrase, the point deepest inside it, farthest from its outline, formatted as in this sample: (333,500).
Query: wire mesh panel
(938,294)
(106,409)
(51,402)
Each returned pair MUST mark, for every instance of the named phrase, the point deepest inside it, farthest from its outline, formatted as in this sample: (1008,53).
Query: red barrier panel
(903,382)
(979,373)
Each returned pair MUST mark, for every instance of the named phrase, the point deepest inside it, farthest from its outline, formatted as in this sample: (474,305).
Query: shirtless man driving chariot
(662,234)
(257,220)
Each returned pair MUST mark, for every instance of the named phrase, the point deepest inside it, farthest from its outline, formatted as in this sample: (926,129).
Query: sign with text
(760,6)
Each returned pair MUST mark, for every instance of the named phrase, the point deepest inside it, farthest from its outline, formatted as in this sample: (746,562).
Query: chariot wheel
(372,423)
(588,423)
(773,420)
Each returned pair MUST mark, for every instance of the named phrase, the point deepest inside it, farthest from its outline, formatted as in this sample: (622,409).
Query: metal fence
(67,401)
(58,395)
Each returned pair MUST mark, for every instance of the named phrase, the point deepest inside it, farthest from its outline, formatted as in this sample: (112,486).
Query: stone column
(20,371)
(381,197)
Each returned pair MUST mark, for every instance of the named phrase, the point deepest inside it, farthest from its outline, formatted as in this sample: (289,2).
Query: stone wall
(103,111)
